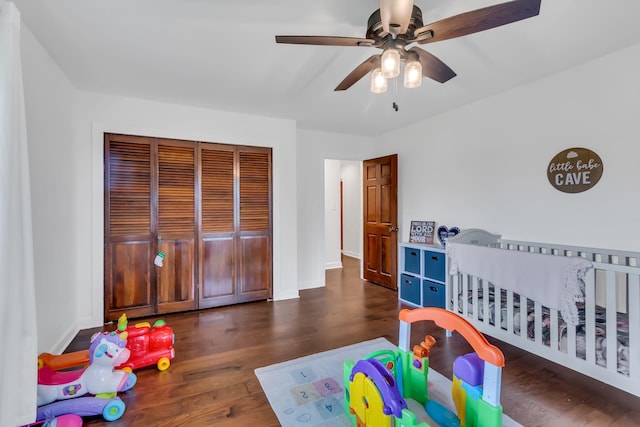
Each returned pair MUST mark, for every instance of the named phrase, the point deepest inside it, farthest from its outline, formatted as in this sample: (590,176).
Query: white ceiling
(222,54)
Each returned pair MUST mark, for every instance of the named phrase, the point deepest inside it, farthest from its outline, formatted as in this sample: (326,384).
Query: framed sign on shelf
(422,232)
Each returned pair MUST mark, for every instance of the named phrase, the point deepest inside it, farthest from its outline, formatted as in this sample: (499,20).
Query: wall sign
(422,231)
(574,170)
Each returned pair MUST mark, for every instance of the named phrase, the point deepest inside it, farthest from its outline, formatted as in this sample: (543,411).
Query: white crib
(605,343)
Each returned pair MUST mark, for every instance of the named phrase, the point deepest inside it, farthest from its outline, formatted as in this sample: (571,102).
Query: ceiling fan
(398,23)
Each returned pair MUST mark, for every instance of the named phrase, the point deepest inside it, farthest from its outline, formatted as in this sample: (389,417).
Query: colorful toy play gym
(376,387)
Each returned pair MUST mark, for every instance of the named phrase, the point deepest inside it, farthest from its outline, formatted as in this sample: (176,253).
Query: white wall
(313,148)
(49,99)
(332,252)
(484,165)
(351,173)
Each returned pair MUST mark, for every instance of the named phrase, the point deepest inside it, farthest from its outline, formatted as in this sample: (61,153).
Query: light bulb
(390,63)
(412,74)
(378,83)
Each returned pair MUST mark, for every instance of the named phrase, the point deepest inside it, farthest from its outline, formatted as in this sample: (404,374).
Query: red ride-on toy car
(148,345)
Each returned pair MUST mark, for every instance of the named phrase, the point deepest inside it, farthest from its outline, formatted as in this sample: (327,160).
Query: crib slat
(612,322)
(485,301)
(634,328)
(537,313)
(523,317)
(554,343)
(465,293)
(590,316)
(510,311)
(452,295)
(497,298)
(571,340)
(474,298)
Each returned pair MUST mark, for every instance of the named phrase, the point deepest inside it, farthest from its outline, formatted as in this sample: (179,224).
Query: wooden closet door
(255,224)
(129,238)
(206,207)
(176,226)
(217,236)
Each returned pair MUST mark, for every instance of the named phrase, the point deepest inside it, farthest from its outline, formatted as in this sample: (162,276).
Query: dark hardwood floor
(211,380)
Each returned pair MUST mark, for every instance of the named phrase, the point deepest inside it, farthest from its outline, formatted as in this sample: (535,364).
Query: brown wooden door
(217,237)
(149,208)
(176,226)
(236,224)
(254,225)
(380,209)
(129,235)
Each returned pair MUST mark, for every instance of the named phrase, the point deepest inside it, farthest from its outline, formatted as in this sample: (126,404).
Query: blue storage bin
(434,265)
(410,289)
(412,260)
(433,294)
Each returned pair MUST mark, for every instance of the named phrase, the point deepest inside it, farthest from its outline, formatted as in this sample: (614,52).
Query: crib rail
(606,343)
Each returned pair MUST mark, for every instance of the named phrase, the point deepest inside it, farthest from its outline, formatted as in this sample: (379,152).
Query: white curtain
(18,335)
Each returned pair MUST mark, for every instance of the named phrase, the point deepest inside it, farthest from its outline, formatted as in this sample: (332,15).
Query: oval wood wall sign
(575,170)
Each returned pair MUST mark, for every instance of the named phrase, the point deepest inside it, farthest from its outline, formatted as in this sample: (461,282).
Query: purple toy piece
(470,369)
(391,396)
(110,409)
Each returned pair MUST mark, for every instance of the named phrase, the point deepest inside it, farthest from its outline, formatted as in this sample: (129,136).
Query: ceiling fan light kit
(398,23)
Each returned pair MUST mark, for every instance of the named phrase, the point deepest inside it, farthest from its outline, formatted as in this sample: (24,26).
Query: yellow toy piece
(459,396)
(366,403)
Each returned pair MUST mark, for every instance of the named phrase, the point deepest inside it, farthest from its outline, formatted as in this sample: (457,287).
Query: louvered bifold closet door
(217,236)
(129,239)
(177,225)
(255,223)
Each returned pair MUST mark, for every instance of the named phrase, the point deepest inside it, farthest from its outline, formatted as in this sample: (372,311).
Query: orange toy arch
(452,322)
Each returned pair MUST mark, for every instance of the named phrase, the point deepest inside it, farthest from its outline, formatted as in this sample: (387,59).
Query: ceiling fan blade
(432,67)
(359,72)
(325,40)
(480,20)
(395,15)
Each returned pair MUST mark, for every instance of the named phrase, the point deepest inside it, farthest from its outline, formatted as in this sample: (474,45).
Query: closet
(188,225)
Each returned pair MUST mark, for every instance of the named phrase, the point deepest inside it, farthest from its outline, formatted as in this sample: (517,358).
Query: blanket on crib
(500,303)
(555,281)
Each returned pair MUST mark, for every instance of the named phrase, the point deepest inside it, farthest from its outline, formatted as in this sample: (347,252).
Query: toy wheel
(163,363)
(132,379)
(113,410)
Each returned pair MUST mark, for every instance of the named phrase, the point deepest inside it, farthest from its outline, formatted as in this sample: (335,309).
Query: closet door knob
(393,229)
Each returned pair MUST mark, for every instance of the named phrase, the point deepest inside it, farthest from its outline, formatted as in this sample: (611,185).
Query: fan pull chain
(395,87)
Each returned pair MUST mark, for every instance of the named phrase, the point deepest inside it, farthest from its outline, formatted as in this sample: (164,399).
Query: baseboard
(351,254)
(286,295)
(66,339)
(330,265)
(310,285)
